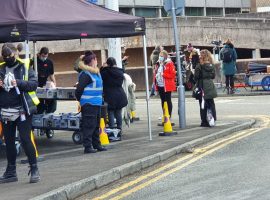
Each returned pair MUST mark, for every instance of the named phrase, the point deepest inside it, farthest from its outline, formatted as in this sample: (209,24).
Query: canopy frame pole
(26,50)
(180,88)
(147,88)
(35,56)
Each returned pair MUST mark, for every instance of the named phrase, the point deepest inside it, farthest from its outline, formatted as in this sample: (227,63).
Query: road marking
(173,170)
(141,178)
(136,181)
(198,154)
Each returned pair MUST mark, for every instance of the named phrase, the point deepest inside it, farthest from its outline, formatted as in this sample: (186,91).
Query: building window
(214,11)
(194,11)
(232,10)
(146,12)
(126,10)
(163,12)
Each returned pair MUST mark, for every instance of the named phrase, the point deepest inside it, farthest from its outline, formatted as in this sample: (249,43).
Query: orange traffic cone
(103,136)
(167,123)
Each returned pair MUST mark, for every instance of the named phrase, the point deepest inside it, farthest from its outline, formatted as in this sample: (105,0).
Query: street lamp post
(180,89)
(114,44)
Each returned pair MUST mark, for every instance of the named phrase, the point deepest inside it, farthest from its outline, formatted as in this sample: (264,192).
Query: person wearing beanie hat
(88,92)
(189,47)
(192,55)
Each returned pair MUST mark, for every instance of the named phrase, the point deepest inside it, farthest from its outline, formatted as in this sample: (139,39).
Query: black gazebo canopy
(44,20)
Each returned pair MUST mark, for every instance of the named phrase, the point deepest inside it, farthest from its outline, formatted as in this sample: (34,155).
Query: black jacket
(11,98)
(84,80)
(114,94)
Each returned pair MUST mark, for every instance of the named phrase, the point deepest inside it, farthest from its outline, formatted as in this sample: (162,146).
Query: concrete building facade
(252,34)
(260,5)
(200,26)
(154,8)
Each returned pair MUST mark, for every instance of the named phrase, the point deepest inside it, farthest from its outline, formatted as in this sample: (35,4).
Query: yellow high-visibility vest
(32,94)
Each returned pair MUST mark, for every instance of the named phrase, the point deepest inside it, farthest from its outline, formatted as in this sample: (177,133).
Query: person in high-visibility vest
(17,93)
(89,92)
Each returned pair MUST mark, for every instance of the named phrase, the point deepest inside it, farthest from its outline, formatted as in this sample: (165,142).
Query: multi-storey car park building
(203,22)
(154,8)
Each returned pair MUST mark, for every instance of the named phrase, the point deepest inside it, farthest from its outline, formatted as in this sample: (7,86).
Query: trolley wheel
(49,134)
(266,83)
(18,148)
(77,137)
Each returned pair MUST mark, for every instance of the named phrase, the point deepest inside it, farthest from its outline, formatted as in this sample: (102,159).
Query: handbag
(197,93)
(209,117)
(10,114)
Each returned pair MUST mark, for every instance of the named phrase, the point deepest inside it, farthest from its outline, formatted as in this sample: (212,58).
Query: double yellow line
(174,166)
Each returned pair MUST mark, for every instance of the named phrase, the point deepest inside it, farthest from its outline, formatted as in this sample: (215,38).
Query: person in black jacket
(114,94)
(14,94)
(45,69)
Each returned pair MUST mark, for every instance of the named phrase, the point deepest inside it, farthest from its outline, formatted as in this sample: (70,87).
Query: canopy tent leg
(26,50)
(35,57)
(147,87)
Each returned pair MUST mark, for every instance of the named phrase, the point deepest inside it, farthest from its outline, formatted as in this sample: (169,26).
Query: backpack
(227,55)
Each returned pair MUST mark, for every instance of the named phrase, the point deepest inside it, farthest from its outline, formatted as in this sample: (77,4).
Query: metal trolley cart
(259,79)
(62,121)
(258,75)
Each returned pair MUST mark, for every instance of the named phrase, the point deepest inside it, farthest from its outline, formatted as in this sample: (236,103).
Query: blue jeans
(117,114)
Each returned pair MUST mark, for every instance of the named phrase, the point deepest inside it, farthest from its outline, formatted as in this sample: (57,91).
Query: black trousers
(229,81)
(117,114)
(46,106)
(90,125)
(24,128)
(165,96)
(209,103)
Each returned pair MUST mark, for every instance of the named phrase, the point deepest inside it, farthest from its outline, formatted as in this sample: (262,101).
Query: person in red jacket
(165,79)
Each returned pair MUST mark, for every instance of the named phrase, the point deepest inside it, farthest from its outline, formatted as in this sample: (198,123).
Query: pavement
(68,173)
(241,91)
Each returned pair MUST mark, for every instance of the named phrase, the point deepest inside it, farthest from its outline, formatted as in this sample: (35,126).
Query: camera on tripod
(216,42)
